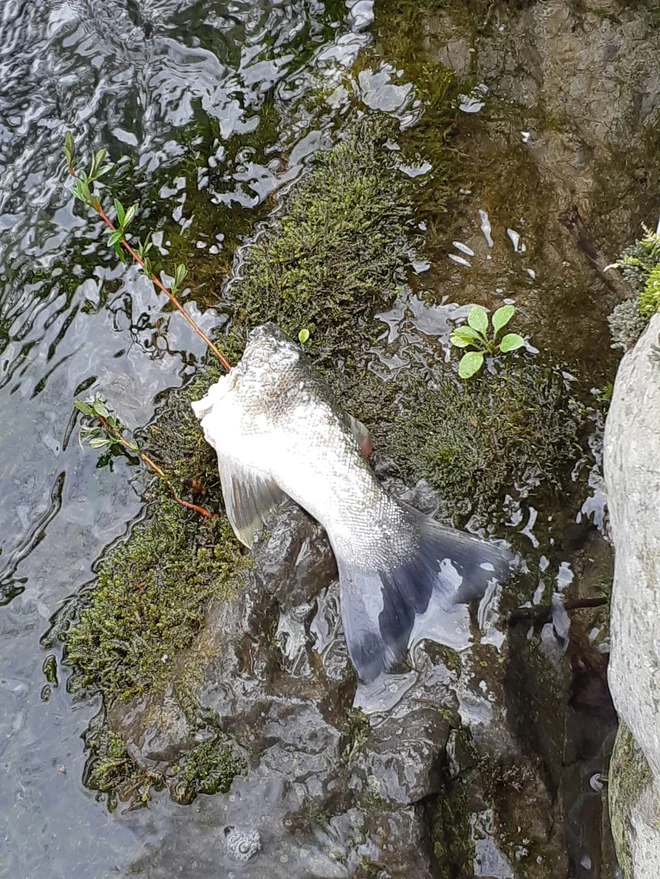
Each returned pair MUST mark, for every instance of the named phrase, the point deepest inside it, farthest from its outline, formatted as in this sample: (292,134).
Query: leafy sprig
(85,189)
(103,430)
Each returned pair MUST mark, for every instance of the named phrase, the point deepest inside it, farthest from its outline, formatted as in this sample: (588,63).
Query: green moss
(649,301)
(476,440)
(451,833)
(150,600)
(335,252)
(209,768)
(358,731)
(110,770)
(403,39)
(640,266)
(629,777)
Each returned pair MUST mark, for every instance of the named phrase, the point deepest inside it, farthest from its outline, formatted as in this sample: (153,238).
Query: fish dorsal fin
(249,497)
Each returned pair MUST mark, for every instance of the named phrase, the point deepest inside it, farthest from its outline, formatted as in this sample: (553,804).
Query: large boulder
(632,472)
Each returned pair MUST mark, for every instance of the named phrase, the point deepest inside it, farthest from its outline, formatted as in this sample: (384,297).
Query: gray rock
(632,473)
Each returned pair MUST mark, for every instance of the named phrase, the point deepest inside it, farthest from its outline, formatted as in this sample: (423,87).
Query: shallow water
(150,80)
(216,107)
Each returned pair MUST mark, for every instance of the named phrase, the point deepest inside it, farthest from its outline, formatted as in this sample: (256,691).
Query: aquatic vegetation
(336,250)
(476,335)
(640,267)
(209,768)
(475,442)
(110,769)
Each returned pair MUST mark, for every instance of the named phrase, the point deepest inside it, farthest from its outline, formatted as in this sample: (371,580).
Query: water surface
(205,102)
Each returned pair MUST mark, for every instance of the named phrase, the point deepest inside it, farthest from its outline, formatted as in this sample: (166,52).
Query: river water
(152,81)
(211,108)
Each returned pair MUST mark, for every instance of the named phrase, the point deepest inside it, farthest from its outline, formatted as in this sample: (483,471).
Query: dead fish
(278,431)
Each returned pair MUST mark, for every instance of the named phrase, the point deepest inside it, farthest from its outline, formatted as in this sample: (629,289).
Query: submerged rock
(632,472)
(425,774)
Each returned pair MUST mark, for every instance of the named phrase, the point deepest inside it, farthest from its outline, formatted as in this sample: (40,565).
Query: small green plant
(475,335)
(86,190)
(104,430)
(303,336)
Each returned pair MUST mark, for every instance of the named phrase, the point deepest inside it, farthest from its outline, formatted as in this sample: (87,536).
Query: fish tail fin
(381,602)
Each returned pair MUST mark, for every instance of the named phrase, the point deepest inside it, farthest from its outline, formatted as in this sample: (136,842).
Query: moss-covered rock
(336,250)
(630,776)
(150,600)
(479,439)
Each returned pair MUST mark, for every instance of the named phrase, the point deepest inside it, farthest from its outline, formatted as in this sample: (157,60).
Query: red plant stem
(152,464)
(175,302)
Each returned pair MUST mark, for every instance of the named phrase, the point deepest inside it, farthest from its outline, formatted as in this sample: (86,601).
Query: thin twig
(96,205)
(543,612)
(175,302)
(157,470)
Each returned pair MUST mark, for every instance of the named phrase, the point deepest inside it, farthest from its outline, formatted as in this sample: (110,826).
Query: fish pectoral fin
(361,434)
(249,496)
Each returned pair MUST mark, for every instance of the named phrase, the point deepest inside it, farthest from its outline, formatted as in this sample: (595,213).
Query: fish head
(269,349)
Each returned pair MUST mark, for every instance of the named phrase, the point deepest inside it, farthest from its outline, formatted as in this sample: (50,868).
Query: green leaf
(85,408)
(115,236)
(100,408)
(81,191)
(69,150)
(121,213)
(180,275)
(97,160)
(119,250)
(502,317)
(464,336)
(145,246)
(478,319)
(130,214)
(511,342)
(99,442)
(470,364)
(303,336)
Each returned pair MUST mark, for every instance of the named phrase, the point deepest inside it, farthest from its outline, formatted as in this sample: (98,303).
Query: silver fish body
(278,431)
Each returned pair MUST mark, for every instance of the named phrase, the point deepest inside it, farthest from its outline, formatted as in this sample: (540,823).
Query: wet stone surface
(331,790)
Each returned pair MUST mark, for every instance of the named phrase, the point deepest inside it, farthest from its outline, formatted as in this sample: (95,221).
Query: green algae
(477,440)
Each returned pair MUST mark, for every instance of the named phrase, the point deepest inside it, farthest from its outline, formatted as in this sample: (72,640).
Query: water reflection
(204,99)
